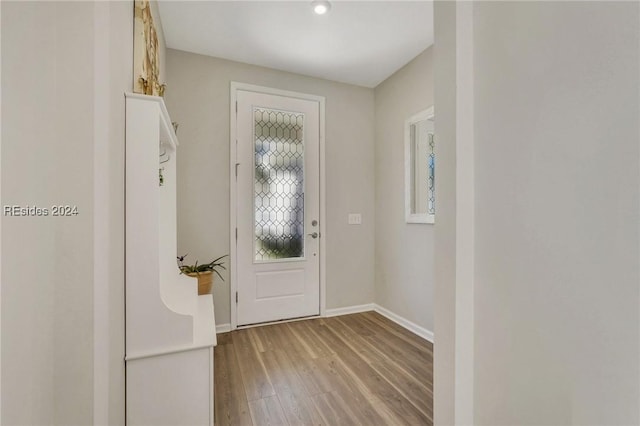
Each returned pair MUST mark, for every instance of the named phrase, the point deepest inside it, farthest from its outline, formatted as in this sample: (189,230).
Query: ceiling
(357,42)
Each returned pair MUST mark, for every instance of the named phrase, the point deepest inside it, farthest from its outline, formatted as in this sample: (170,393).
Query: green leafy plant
(212,266)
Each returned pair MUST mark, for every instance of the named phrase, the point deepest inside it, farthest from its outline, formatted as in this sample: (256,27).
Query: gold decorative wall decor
(145,52)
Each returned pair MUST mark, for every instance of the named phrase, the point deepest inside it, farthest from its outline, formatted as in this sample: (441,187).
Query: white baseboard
(223,328)
(412,327)
(403,322)
(348,310)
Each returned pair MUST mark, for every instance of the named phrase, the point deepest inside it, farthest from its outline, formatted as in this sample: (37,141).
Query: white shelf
(169,328)
(204,335)
(168,135)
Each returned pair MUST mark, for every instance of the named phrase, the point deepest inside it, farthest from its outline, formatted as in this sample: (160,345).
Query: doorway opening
(277,215)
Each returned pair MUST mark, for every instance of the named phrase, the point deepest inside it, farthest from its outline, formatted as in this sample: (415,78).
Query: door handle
(314,235)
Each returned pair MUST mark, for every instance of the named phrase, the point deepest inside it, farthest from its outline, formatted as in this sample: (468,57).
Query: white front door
(278,207)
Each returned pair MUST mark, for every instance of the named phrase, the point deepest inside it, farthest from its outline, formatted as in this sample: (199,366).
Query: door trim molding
(233,285)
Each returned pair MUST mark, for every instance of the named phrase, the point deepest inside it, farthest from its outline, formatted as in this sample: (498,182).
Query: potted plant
(204,272)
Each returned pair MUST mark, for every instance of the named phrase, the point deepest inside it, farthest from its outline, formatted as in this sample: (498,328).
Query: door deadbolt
(314,222)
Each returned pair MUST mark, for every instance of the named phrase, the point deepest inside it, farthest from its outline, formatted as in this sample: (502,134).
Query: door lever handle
(313,235)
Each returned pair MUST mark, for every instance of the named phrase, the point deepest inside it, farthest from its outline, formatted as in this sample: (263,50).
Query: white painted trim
(465,218)
(323,211)
(262,324)
(233,196)
(334,312)
(233,206)
(0,231)
(355,309)
(405,323)
(167,133)
(167,351)
(212,387)
(413,217)
(401,321)
(101,204)
(223,328)
(235,86)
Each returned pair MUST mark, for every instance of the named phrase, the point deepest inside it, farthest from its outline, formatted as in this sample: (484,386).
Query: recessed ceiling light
(320,7)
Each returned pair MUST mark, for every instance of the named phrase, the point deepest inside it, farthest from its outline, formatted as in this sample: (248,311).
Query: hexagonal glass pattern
(278,184)
(431,184)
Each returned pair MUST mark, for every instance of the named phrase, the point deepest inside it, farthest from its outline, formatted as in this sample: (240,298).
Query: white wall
(51,92)
(71,180)
(47,318)
(557,175)
(198,99)
(404,252)
(445,226)
(27,95)
(121,80)
(556,107)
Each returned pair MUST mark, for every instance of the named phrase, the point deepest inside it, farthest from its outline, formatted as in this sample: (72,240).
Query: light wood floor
(359,369)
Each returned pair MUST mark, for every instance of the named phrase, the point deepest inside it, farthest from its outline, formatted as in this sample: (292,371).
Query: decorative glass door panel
(431,184)
(278,184)
(277,207)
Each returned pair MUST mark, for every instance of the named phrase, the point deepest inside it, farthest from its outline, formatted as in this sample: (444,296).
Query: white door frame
(233,264)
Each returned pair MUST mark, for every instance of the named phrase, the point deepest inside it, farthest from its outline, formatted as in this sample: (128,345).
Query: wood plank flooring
(359,369)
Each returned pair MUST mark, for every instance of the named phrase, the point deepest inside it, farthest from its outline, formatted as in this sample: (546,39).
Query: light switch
(355,219)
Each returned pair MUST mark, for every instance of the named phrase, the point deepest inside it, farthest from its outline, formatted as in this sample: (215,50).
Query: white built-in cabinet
(170,330)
